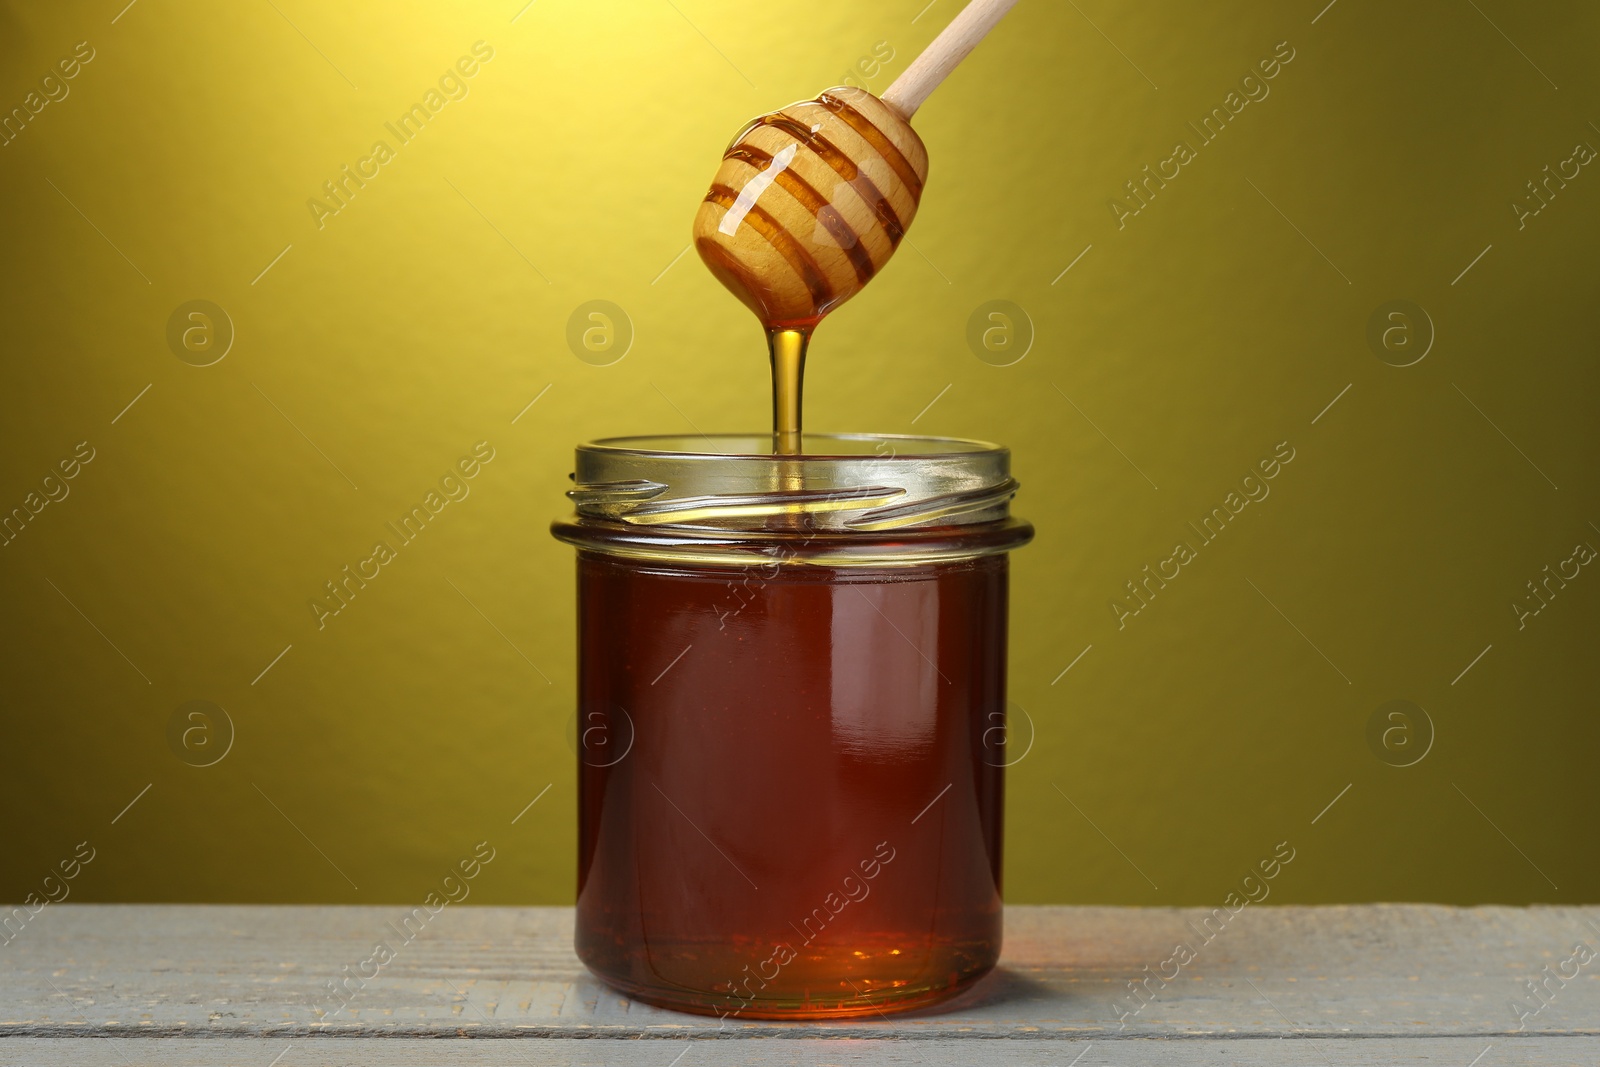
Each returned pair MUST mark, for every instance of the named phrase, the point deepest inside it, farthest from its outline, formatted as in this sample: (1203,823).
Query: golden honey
(808,205)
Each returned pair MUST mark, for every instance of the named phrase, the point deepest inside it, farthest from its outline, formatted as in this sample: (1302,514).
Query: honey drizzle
(788,350)
(780,239)
(787,343)
(880,143)
(837,225)
(843,166)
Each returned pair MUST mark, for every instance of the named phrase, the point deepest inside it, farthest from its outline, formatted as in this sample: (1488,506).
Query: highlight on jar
(792,646)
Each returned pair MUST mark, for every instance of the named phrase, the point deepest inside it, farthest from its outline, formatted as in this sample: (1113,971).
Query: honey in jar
(789,712)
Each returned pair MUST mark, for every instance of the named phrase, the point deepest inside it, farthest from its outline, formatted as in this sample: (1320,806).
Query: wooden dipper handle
(936,62)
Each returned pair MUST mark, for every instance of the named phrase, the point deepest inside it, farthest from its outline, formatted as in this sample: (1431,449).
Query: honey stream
(788,351)
(842,191)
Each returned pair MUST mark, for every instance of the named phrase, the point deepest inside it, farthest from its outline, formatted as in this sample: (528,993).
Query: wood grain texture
(953,44)
(1351,973)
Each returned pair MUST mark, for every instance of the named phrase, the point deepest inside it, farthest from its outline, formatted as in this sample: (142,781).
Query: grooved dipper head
(809,203)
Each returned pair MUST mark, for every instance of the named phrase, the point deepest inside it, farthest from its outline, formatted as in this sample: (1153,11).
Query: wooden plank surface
(1275,979)
(809,1052)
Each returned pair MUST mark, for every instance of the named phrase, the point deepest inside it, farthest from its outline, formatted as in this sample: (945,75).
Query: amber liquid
(787,349)
(789,787)
(787,343)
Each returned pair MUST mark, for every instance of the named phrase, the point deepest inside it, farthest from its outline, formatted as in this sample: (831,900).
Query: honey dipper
(811,201)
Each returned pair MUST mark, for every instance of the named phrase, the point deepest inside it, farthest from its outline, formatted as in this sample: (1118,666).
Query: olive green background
(1177,352)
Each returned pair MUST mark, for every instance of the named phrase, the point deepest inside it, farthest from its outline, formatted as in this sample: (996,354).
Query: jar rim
(948,447)
(668,488)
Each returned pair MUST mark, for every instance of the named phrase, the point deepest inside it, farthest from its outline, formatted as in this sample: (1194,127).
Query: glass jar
(790,727)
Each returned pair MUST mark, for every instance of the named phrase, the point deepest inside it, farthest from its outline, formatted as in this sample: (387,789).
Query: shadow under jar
(791,719)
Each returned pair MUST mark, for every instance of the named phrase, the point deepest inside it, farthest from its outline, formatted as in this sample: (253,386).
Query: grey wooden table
(1387,984)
